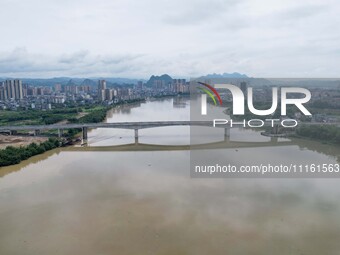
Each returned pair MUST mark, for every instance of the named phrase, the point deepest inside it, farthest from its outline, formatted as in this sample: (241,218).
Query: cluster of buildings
(179,86)
(15,90)
(15,94)
(114,95)
(175,86)
(73,89)
(141,90)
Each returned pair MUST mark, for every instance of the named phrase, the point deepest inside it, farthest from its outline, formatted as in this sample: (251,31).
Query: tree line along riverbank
(323,133)
(13,155)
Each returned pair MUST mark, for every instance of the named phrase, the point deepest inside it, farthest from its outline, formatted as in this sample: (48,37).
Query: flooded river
(144,202)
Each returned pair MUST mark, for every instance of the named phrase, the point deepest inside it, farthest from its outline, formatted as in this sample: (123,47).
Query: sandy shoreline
(17,141)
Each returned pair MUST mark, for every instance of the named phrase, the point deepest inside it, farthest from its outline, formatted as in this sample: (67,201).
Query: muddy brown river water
(144,202)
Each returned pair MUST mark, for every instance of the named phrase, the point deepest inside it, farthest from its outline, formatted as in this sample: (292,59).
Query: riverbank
(14,149)
(72,136)
(326,142)
(324,134)
(18,141)
(14,155)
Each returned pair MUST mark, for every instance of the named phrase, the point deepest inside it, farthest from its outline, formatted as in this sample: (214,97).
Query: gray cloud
(199,11)
(74,58)
(138,38)
(304,11)
(21,62)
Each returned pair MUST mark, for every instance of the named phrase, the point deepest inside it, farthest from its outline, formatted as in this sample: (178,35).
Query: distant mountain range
(165,77)
(225,75)
(74,81)
(114,81)
(89,82)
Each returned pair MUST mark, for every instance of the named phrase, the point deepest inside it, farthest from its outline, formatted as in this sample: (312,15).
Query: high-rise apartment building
(11,89)
(244,87)
(108,94)
(3,92)
(18,89)
(139,85)
(101,90)
(57,87)
(179,86)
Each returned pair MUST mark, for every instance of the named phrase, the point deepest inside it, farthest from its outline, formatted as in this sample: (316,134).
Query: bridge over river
(119,125)
(123,125)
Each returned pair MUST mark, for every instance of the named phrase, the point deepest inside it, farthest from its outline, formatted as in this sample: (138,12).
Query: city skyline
(113,39)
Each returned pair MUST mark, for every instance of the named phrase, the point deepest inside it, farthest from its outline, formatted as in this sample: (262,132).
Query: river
(144,202)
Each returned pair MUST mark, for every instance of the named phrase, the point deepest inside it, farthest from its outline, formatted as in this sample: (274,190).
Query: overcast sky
(137,38)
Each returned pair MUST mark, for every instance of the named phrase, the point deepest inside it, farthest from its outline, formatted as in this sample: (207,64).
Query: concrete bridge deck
(119,125)
(122,125)
(158,147)
(129,125)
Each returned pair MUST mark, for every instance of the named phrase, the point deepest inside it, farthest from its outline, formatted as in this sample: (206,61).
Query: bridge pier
(84,135)
(136,135)
(275,129)
(226,134)
(60,132)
